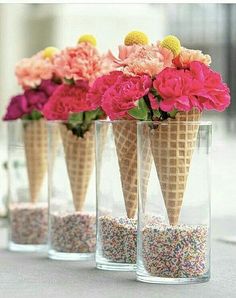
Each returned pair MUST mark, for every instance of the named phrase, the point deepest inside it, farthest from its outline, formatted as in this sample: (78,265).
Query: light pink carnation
(82,62)
(31,71)
(124,94)
(186,56)
(139,60)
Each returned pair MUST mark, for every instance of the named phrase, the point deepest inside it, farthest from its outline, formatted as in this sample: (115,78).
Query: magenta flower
(67,99)
(17,108)
(30,100)
(100,86)
(196,87)
(124,94)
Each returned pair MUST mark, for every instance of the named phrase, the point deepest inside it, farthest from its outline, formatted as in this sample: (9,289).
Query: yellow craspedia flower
(49,52)
(88,38)
(172,43)
(136,37)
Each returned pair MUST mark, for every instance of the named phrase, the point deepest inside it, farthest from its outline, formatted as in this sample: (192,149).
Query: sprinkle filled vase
(174,210)
(116,174)
(72,215)
(27,164)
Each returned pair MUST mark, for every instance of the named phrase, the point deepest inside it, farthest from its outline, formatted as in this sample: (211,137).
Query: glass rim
(115,121)
(140,122)
(200,123)
(23,120)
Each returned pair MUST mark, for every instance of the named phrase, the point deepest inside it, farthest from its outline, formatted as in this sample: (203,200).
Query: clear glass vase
(72,195)
(174,209)
(116,174)
(3,172)
(27,165)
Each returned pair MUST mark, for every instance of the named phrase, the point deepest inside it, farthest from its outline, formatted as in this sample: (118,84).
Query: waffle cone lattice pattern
(79,154)
(172,147)
(36,146)
(125,136)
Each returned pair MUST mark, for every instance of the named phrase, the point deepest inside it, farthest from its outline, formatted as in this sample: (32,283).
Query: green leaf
(141,111)
(173,113)
(34,115)
(138,113)
(90,116)
(76,118)
(156,113)
(79,123)
(69,81)
(142,104)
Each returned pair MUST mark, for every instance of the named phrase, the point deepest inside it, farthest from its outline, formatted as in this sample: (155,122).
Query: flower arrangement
(38,80)
(77,67)
(154,82)
(158,82)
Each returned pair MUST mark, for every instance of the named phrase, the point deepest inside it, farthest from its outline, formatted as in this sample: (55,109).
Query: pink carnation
(140,60)
(67,99)
(30,100)
(31,71)
(197,86)
(99,87)
(82,62)
(153,101)
(124,94)
(187,56)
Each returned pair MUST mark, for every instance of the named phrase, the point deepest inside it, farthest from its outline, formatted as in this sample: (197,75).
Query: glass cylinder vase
(72,195)
(116,174)
(174,210)
(28,204)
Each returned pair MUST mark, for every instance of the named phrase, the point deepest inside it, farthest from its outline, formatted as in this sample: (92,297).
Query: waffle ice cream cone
(36,146)
(172,146)
(79,154)
(125,135)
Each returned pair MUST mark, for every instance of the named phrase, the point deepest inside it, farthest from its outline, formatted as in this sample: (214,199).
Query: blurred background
(27,28)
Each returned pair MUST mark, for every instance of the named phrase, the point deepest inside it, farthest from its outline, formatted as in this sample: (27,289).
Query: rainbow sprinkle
(175,251)
(29,223)
(73,232)
(118,238)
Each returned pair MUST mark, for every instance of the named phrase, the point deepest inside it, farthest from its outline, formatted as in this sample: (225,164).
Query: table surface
(32,275)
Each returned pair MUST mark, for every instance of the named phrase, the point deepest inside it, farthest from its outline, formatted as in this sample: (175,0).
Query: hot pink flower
(153,101)
(99,87)
(197,86)
(67,99)
(82,62)
(124,94)
(31,71)
(214,95)
(139,60)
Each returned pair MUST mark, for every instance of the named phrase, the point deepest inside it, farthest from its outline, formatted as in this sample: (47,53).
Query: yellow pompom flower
(136,37)
(88,38)
(49,52)
(172,43)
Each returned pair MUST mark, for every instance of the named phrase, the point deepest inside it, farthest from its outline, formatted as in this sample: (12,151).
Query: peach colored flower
(31,71)
(82,62)
(148,59)
(186,56)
